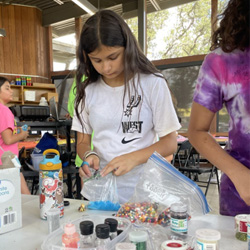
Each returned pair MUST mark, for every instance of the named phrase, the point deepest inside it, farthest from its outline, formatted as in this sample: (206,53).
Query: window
(181,82)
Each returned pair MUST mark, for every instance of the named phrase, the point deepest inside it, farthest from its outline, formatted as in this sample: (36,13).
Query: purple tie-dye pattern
(224,78)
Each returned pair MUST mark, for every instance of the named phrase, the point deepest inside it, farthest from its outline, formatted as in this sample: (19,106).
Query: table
(35,230)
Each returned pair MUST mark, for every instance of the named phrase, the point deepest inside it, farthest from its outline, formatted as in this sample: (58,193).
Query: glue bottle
(70,238)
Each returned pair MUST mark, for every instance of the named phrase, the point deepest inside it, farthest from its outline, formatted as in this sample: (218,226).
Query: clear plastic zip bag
(159,186)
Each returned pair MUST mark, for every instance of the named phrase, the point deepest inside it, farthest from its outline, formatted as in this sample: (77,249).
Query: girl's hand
(91,162)
(119,165)
(24,134)
(241,180)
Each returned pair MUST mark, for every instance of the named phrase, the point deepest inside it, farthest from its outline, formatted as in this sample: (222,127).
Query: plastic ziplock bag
(101,193)
(159,186)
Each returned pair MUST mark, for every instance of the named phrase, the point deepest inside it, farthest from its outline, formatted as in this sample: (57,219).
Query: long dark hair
(234,29)
(109,29)
(3,80)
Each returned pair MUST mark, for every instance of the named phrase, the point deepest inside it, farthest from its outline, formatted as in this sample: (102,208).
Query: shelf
(36,92)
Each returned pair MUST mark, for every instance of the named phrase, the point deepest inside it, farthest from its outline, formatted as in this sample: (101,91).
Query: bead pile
(144,212)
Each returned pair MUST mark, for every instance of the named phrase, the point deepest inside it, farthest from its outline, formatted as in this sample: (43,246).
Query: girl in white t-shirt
(8,130)
(124,100)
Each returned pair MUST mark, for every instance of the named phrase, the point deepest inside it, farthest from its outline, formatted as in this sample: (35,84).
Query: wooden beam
(50,49)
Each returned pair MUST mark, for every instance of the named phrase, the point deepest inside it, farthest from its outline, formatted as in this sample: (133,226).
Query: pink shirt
(7,121)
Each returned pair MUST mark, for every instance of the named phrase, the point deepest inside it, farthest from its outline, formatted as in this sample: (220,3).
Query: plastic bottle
(86,229)
(139,238)
(51,183)
(70,238)
(125,246)
(102,235)
(207,239)
(179,218)
(113,223)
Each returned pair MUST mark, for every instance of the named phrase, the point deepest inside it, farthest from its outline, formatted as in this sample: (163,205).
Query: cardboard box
(49,95)
(10,200)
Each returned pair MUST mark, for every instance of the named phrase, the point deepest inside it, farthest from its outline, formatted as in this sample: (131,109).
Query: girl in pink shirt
(8,130)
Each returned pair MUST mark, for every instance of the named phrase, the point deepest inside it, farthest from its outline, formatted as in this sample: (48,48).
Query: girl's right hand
(24,134)
(91,162)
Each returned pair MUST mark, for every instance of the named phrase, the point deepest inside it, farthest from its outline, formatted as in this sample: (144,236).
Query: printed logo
(159,193)
(132,104)
(128,141)
(7,190)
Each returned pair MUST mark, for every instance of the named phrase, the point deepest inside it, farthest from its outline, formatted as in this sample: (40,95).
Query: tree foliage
(177,32)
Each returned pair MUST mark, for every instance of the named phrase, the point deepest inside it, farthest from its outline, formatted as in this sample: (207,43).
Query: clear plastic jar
(139,238)
(179,218)
(113,223)
(207,239)
(241,227)
(86,237)
(173,245)
(102,235)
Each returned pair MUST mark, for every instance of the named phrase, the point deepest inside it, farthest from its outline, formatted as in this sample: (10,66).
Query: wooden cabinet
(31,95)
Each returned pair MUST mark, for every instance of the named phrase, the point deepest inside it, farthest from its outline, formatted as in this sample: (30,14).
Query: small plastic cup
(53,218)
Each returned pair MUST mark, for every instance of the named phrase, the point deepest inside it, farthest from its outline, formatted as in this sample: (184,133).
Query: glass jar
(178,218)
(207,239)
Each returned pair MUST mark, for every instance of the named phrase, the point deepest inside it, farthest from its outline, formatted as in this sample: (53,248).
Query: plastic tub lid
(125,246)
(242,217)
(138,236)
(173,244)
(208,234)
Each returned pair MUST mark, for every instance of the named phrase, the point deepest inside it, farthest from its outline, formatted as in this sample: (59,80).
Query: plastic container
(43,102)
(87,237)
(207,239)
(53,218)
(139,238)
(241,227)
(102,235)
(179,218)
(36,159)
(248,231)
(173,245)
(113,223)
(125,246)
(54,240)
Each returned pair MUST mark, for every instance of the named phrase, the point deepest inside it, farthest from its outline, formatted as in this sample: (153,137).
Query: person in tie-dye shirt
(224,78)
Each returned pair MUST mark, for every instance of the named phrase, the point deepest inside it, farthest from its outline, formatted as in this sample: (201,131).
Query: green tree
(181,31)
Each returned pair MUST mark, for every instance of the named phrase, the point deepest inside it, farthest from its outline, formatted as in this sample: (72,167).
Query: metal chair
(187,161)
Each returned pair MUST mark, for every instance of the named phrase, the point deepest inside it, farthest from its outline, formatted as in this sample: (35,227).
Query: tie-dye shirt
(224,78)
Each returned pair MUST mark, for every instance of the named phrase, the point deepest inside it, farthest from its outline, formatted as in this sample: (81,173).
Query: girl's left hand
(119,165)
